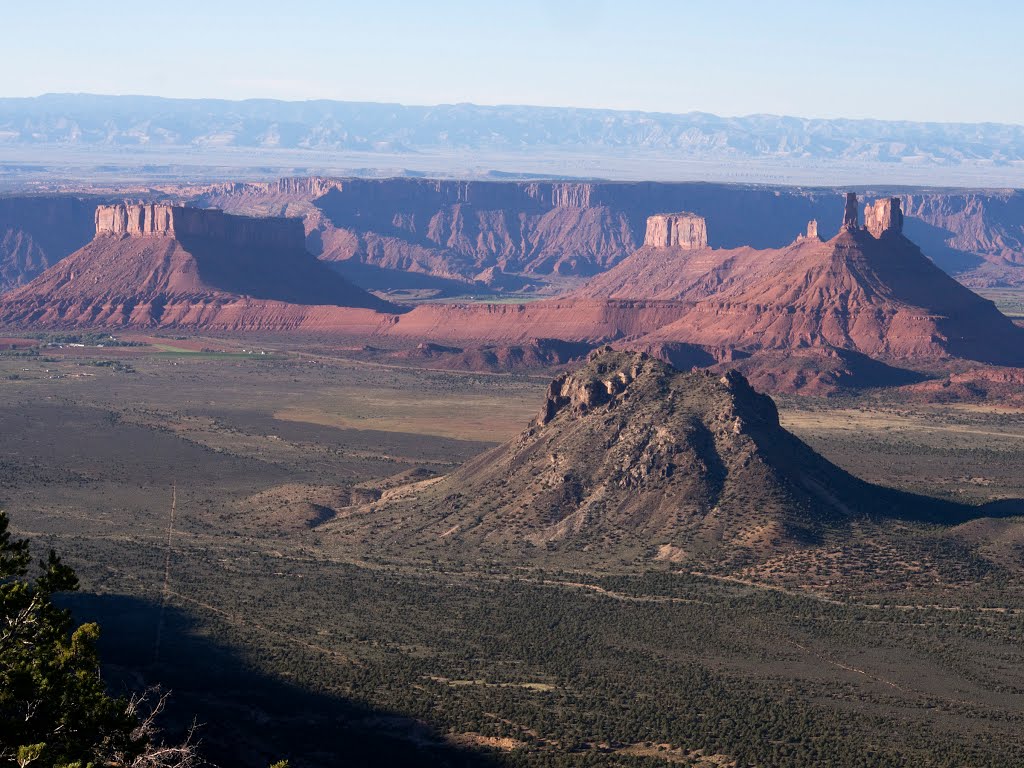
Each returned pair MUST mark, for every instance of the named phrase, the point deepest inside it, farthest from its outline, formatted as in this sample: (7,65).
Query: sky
(901,60)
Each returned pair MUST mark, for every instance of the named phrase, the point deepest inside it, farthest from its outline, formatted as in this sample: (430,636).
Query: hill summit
(160,265)
(869,289)
(629,455)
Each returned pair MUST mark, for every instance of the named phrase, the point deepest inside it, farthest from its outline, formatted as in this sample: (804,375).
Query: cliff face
(456,229)
(37,232)
(459,229)
(676,230)
(160,266)
(884,216)
(177,221)
(979,236)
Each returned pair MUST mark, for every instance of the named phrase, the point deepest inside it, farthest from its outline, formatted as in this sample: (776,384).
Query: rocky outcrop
(134,219)
(570,195)
(295,186)
(676,230)
(151,219)
(633,456)
(851,214)
(456,229)
(881,297)
(170,266)
(307,185)
(884,217)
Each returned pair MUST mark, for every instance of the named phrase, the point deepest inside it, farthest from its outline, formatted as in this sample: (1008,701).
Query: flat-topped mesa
(851,216)
(884,216)
(160,220)
(676,230)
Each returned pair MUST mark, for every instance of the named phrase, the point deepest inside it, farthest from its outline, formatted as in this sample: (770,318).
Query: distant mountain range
(83,120)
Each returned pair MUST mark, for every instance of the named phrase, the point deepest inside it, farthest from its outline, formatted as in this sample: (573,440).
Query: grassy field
(287,648)
(1009,300)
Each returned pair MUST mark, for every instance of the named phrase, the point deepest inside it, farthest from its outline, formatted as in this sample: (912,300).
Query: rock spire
(851,216)
(884,216)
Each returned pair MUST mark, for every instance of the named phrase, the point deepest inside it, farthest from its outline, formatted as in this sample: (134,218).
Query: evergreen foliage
(54,710)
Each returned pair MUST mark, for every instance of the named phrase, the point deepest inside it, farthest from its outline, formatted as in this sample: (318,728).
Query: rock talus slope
(868,290)
(458,228)
(160,265)
(631,455)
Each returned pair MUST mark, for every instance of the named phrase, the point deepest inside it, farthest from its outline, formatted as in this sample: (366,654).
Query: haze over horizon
(500,105)
(874,61)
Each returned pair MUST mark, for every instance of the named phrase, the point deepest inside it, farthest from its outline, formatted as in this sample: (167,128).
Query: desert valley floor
(544,385)
(193,483)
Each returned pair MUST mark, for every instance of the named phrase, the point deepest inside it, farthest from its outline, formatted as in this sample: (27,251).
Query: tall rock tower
(676,230)
(884,216)
(851,216)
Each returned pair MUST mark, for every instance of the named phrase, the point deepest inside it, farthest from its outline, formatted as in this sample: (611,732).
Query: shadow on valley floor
(915,507)
(1001,508)
(248,718)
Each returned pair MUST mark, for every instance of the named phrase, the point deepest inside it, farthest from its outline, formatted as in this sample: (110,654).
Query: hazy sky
(901,59)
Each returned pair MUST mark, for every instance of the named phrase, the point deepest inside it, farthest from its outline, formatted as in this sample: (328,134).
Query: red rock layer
(453,228)
(880,297)
(571,320)
(195,281)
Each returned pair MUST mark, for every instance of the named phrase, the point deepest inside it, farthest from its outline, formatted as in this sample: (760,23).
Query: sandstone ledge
(155,219)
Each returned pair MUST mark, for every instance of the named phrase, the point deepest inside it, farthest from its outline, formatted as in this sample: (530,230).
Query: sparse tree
(54,709)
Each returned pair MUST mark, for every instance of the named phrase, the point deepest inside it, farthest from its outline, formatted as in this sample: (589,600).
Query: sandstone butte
(378,231)
(868,290)
(152,265)
(460,228)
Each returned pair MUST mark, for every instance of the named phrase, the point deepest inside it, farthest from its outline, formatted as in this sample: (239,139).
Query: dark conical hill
(630,455)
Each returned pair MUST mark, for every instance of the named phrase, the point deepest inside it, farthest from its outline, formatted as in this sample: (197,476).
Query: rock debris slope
(869,290)
(459,228)
(162,265)
(631,456)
